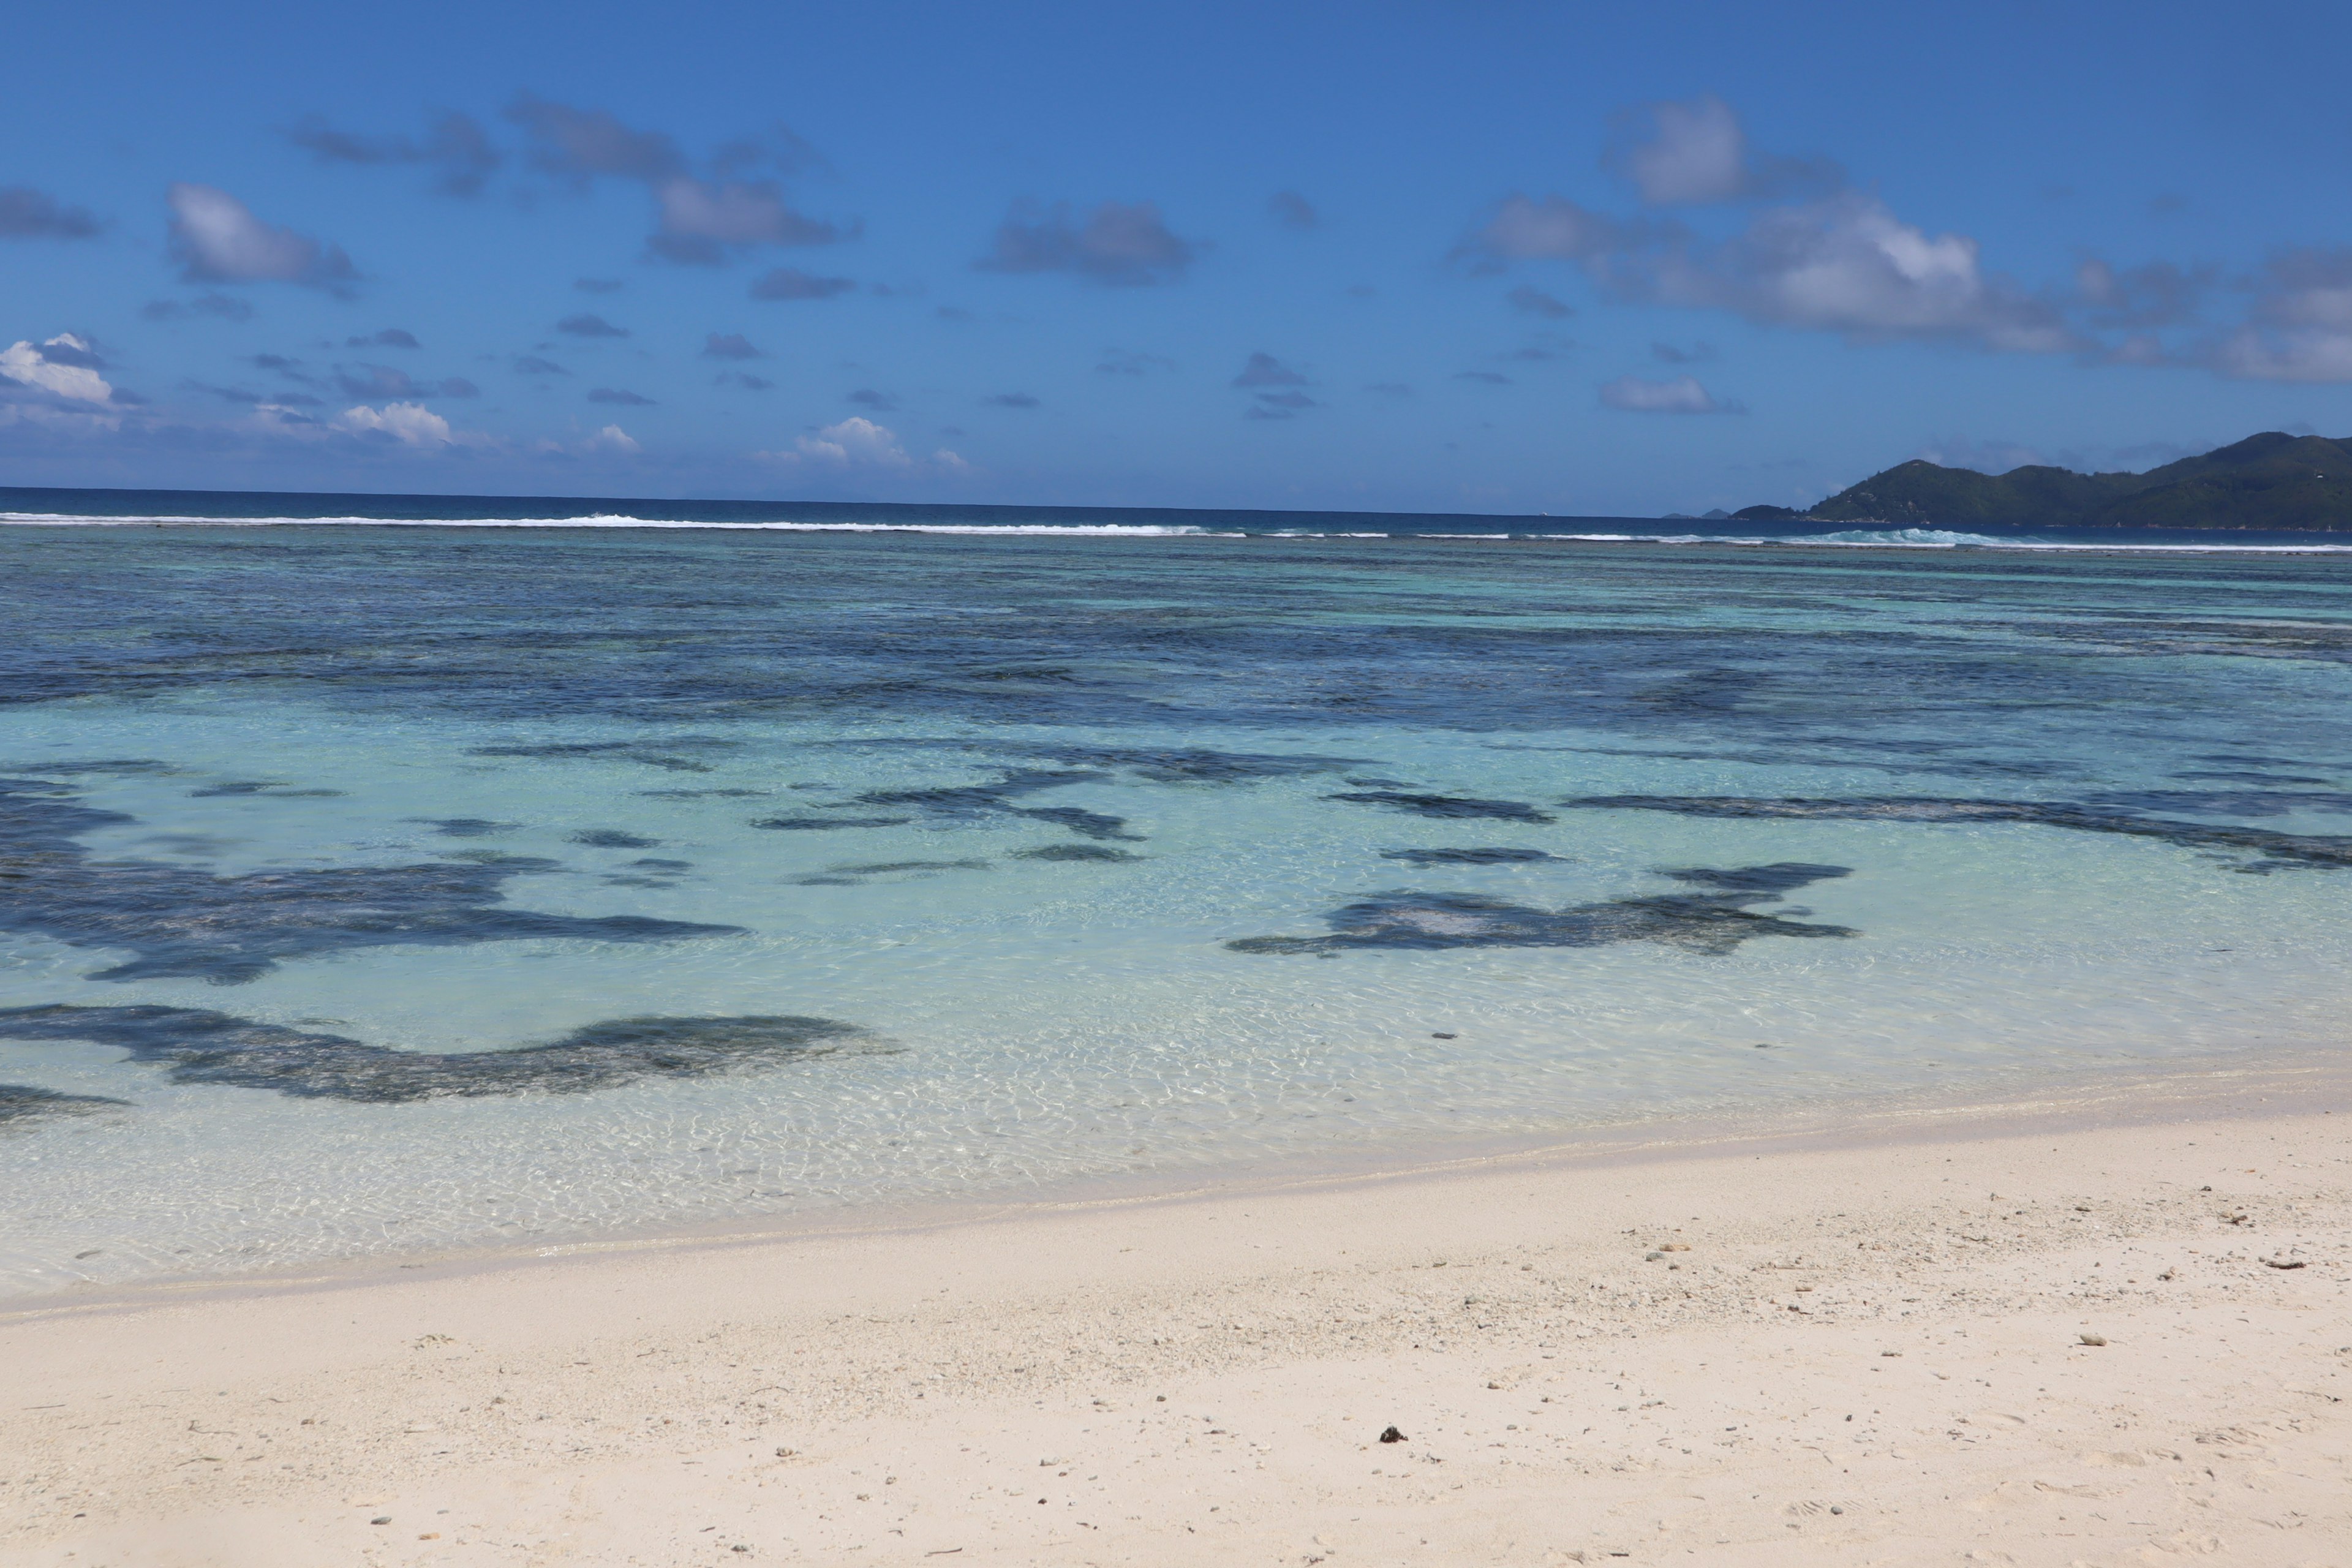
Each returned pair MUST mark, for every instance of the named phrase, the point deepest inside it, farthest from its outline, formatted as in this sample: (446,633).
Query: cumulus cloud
(613,438)
(456,147)
(1116,243)
(28,213)
(65,367)
(1530,301)
(856,443)
(588,325)
(1552,229)
(1683,394)
(791,283)
(531,364)
(699,218)
(1697,153)
(729,345)
(1293,210)
(2301,325)
(409,424)
(218,241)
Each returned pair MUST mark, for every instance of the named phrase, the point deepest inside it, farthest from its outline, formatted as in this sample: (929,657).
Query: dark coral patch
(1497,855)
(1445,805)
(182,922)
(1713,922)
(21,1104)
(198,1046)
(2276,850)
(1075,852)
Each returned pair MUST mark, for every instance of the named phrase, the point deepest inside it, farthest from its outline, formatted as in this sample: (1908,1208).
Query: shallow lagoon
(823,868)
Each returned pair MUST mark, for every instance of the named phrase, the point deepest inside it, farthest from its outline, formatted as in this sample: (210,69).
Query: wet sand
(2122,1335)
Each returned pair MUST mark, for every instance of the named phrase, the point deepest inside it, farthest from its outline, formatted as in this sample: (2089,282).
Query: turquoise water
(389,888)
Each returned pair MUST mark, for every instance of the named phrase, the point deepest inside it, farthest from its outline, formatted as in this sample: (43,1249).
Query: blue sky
(1487,257)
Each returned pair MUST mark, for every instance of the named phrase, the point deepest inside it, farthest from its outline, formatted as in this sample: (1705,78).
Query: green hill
(2267,482)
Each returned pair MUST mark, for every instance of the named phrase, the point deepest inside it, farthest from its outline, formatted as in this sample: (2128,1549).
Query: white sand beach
(2071,1333)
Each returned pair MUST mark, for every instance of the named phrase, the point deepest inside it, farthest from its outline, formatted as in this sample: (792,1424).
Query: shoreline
(2088,1097)
(2106,1338)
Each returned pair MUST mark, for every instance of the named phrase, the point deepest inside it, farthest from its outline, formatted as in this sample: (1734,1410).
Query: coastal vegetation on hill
(2272,480)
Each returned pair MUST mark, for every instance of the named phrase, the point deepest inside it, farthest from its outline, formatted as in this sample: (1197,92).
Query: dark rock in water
(614,838)
(198,1046)
(820,824)
(1451,805)
(1075,852)
(21,1104)
(1712,923)
(2277,850)
(1490,857)
(1390,1435)
(464,826)
(187,922)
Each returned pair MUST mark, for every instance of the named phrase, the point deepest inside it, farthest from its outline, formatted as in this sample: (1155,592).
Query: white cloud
(2302,329)
(412,424)
(1698,154)
(1848,265)
(1682,394)
(857,443)
(219,240)
(1553,229)
(613,438)
(699,217)
(22,363)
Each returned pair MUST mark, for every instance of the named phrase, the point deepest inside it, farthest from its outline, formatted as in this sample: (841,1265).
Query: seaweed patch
(182,922)
(198,1046)
(1445,805)
(261,788)
(1075,852)
(1714,921)
(822,824)
(21,1103)
(614,838)
(1495,856)
(854,876)
(2277,850)
(464,826)
(652,754)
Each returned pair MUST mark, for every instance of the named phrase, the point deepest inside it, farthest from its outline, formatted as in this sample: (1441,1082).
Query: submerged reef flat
(196,1046)
(186,923)
(2276,850)
(1713,922)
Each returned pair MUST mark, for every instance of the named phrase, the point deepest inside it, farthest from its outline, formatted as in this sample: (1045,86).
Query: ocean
(398,874)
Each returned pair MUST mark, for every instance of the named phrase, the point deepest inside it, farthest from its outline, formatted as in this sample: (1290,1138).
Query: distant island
(2272,480)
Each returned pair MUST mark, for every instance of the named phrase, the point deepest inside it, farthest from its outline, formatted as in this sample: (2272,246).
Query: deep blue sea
(370,885)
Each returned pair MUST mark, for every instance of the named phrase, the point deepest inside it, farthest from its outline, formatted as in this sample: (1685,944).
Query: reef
(1713,922)
(186,923)
(2274,850)
(198,1046)
(1496,855)
(22,1104)
(1445,806)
